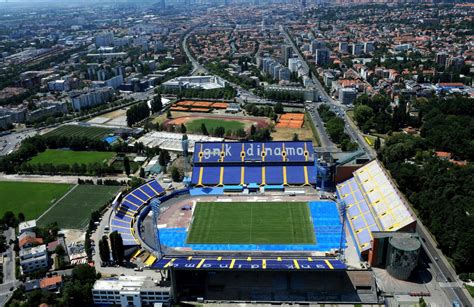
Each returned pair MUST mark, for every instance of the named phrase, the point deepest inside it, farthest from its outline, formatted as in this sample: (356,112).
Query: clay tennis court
(291,120)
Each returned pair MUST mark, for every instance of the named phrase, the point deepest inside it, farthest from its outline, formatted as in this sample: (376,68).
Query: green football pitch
(74,210)
(211,124)
(251,223)
(69,157)
(30,198)
(97,133)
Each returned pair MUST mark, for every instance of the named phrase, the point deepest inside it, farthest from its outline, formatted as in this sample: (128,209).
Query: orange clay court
(190,104)
(291,120)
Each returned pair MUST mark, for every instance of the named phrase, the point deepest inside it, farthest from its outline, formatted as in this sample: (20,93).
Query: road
(350,128)
(243,95)
(9,276)
(55,179)
(446,275)
(9,142)
(319,125)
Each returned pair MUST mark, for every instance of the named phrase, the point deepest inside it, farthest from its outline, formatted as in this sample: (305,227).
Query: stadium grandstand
(373,204)
(254,164)
(125,211)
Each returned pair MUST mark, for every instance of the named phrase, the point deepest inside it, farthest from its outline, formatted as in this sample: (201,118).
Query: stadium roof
(373,204)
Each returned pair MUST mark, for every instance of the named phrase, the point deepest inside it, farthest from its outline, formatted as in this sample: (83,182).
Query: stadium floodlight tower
(155,207)
(185,147)
(343,211)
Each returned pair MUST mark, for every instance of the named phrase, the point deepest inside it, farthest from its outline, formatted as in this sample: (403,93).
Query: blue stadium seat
(211,175)
(253,174)
(140,195)
(274,175)
(146,189)
(295,175)
(156,186)
(195,176)
(232,175)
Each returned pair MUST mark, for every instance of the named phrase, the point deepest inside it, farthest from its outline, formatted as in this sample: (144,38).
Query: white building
(91,97)
(27,226)
(198,82)
(104,39)
(34,258)
(134,291)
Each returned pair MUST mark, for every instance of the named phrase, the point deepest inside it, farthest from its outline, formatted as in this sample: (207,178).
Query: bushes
(335,129)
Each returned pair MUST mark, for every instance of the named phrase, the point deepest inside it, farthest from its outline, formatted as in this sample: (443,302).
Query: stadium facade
(254,163)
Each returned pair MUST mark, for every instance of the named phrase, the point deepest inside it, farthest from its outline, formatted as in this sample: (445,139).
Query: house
(443,155)
(52,283)
(29,239)
(34,258)
(31,285)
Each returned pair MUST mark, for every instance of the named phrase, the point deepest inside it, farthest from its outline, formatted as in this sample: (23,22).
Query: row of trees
(137,113)
(335,128)
(116,246)
(284,96)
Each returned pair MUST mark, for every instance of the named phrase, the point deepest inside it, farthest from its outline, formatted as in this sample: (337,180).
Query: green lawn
(470,289)
(57,157)
(74,210)
(80,131)
(211,124)
(251,223)
(32,199)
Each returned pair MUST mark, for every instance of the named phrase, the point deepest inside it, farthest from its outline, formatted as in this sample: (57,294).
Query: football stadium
(253,224)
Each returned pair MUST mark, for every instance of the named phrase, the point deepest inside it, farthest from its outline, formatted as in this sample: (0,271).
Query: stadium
(253,225)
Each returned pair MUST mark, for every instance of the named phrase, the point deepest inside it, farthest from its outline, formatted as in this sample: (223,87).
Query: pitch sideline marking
(54,205)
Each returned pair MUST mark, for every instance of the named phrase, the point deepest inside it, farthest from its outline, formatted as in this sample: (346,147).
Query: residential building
(88,98)
(347,95)
(104,40)
(322,57)
(34,258)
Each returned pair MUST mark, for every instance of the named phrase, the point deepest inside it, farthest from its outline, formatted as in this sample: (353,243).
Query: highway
(350,128)
(446,275)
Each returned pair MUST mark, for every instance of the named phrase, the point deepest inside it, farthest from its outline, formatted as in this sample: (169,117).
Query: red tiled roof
(50,281)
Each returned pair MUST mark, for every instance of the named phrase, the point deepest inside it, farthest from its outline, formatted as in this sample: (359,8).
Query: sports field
(74,210)
(251,223)
(80,131)
(57,157)
(211,124)
(30,198)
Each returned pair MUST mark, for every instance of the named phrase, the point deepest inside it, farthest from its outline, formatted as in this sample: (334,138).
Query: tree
(126,165)
(377,143)
(295,137)
(164,157)
(278,108)
(204,129)
(142,172)
(168,114)
(3,243)
(183,128)
(116,243)
(21,217)
(104,250)
(219,131)
(156,104)
(253,130)
(175,175)
(363,114)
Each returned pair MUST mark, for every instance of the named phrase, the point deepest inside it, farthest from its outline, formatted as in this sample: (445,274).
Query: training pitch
(30,198)
(74,210)
(97,133)
(251,223)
